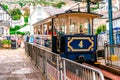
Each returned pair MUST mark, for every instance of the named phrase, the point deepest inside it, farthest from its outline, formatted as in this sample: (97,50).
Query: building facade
(5,21)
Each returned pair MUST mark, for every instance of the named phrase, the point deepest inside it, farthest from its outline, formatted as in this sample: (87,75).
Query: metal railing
(76,71)
(112,55)
(56,68)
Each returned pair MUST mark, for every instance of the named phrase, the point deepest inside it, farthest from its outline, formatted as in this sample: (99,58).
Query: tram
(69,34)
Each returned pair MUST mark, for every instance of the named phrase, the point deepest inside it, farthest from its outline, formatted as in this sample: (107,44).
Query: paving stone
(15,65)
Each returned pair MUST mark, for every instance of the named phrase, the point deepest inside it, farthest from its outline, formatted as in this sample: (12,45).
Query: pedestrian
(22,44)
(19,42)
(27,38)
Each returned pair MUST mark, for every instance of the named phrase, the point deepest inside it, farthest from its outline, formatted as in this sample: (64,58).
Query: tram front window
(72,29)
(73,26)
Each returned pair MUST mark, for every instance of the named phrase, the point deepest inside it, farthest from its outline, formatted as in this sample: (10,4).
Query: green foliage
(27,32)
(26,14)
(24,25)
(101,28)
(16,17)
(12,29)
(81,26)
(12,32)
(27,11)
(26,19)
(95,8)
(59,5)
(5,7)
(21,33)
(6,41)
(17,27)
(16,14)
(22,4)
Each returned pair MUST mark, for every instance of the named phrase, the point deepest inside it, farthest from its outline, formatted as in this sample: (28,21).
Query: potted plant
(6,43)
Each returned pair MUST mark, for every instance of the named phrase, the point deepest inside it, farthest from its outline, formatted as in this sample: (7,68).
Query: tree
(26,14)
(22,4)
(101,28)
(16,14)
(5,7)
(27,11)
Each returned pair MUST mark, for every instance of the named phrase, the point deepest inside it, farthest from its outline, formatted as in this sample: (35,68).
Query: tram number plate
(80,44)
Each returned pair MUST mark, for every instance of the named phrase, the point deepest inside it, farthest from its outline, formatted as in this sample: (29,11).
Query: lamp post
(110,22)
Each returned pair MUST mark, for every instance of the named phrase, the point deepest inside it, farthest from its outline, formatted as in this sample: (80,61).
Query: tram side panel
(77,47)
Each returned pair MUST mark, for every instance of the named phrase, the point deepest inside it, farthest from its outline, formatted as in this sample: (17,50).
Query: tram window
(38,31)
(45,29)
(73,26)
(71,29)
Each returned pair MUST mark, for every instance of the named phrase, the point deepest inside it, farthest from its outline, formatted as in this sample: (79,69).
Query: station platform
(16,65)
(102,61)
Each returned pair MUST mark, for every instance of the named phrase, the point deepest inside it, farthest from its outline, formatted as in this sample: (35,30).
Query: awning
(26,28)
(116,28)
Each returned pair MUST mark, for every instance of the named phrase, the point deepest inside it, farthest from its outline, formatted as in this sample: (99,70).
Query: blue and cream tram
(68,34)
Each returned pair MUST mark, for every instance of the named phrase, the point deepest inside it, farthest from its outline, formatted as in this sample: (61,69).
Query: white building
(39,13)
(5,21)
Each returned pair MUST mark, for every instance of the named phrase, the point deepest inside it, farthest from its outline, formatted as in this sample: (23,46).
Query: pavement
(16,65)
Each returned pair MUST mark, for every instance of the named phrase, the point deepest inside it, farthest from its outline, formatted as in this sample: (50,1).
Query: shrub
(22,4)
(6,41)
(101,28)
(17,27)
(26,19)
(21,33)
(5,7)
(16,14)
(12,32)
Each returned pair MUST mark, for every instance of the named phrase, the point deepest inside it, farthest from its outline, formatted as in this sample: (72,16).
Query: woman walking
(19,42)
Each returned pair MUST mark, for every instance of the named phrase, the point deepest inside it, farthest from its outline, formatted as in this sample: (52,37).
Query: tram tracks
(109,72)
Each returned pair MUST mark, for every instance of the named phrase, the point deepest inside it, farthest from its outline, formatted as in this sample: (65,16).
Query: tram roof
(71,14)
(79,14)
(95,0)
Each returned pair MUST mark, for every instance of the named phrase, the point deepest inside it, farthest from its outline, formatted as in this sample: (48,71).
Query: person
(31,39)
(19,42)
(81,32)
(22,44)
(27,38)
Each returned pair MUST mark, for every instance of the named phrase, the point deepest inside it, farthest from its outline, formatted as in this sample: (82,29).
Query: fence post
(45,64)
(61,68)
(64,69)
(58,67)
(93,75)
(37,56)
(105,53)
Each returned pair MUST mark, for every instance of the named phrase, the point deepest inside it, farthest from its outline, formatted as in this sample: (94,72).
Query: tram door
(58,44)
(54,45)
